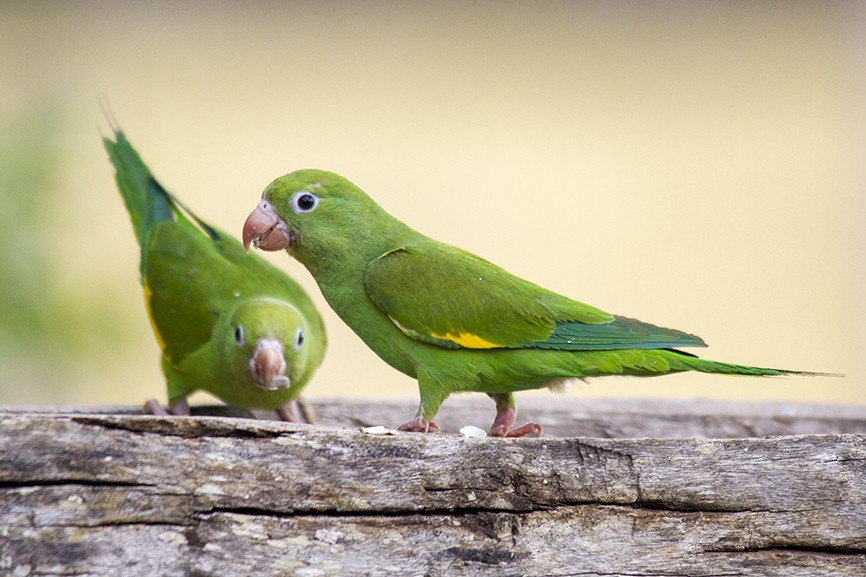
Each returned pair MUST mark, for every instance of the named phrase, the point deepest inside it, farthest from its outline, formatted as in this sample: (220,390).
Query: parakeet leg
(420,425)
(154,408)
(290,413)
(506,414)
(179,408)
(306,410)
(432,398)
(176,386)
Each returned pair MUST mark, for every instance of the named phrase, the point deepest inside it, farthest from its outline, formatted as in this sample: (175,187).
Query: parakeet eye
(239,335)
(299,339)
(303,201)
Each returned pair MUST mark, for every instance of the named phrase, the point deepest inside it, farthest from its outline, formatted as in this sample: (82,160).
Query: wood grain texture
(84,493)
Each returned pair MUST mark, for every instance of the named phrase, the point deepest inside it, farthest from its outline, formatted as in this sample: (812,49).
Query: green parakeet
(227,322)
(448,318)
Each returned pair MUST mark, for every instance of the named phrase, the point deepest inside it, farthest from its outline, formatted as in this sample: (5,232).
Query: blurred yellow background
(695,165)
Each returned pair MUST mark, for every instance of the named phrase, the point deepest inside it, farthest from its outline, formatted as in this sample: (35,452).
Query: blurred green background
(696,165)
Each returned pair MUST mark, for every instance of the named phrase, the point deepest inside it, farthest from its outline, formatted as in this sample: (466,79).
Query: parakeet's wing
(179,266)
(445,296)
(179,277)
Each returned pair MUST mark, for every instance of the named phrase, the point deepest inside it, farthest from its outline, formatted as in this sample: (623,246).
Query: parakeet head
(262,343)
(315,214)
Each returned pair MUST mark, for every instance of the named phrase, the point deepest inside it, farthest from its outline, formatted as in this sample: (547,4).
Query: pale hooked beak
(264,229)
(268,365)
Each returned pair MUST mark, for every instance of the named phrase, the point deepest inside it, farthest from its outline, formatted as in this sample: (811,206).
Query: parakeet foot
(306,410)
(154,408)
(525,430)
(179,409)
(420,425)
(505,417)
(290,413)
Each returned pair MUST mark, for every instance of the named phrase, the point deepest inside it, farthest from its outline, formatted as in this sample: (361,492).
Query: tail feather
(135,183)
(146,200)
(693,363)
(646,363)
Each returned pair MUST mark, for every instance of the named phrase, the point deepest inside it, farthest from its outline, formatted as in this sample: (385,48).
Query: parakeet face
(262,344)
(311,213)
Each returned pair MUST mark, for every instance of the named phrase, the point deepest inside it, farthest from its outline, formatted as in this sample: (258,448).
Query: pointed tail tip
(815,374)
(765,372)
(108,113)
(710,366)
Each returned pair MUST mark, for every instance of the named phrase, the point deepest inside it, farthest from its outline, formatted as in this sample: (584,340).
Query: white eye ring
(303,201)
(299,339)
(239,335)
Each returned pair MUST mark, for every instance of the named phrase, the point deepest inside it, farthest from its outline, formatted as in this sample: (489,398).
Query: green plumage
(222,317)
(452,320)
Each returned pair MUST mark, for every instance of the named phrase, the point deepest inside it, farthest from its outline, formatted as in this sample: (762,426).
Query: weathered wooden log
(84,493)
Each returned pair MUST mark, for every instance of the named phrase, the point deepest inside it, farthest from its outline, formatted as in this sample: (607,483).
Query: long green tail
(680,361)
(146,201)
(642,362)
(145,198)
(707,366)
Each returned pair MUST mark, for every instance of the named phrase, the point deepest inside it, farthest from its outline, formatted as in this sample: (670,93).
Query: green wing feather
(621,333)
(445,296)
(177,275)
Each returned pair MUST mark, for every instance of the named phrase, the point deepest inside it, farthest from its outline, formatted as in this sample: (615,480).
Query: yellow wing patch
(147,294)
(467,340)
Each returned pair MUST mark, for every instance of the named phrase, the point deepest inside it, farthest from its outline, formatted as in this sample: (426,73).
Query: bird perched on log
(450,319)
(227,322)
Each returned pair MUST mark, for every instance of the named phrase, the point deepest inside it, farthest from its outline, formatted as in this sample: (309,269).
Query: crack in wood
(197,427)
(834,550)
(69,482)
(484,556)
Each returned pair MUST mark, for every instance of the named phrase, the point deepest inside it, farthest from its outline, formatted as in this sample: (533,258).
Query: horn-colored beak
(265,230)
(268,365)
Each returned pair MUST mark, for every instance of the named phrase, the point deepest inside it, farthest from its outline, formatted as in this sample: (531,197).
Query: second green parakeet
(227,322)
(455,322)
